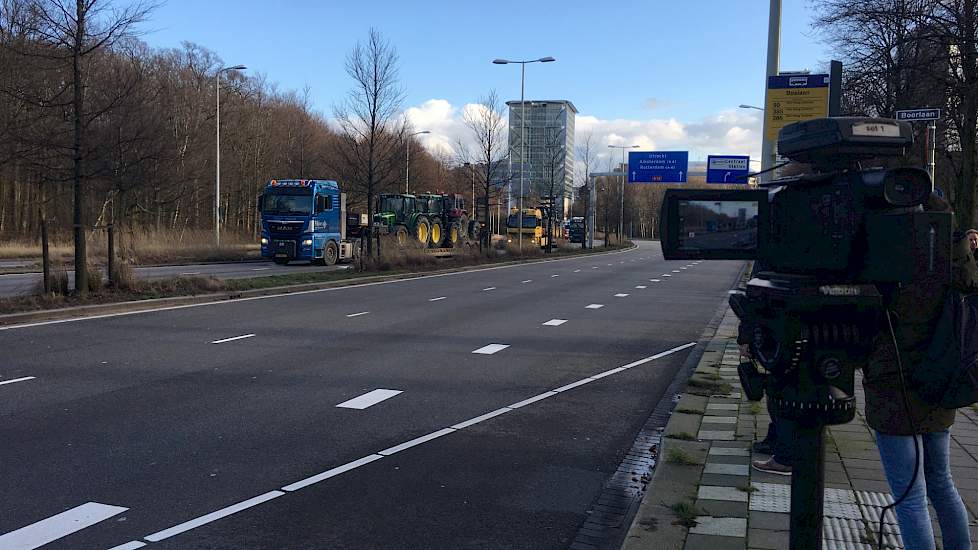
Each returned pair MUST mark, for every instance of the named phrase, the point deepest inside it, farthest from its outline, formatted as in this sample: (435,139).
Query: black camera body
(827,244)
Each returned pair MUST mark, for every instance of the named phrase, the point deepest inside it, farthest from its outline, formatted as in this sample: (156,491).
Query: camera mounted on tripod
(828,243)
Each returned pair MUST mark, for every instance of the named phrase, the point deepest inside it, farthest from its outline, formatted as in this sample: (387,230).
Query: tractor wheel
(401,236)
(437,233)
(422,231)
(331,254)
(454,235)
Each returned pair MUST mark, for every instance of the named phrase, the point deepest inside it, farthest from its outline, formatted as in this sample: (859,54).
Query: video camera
(828,244)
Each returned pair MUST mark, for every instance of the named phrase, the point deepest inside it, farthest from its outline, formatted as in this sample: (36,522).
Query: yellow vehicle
(534,226)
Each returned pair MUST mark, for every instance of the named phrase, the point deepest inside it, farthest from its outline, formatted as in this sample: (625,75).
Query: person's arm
(964,269)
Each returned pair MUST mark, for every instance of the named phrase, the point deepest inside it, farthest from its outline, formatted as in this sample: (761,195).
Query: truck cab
(304,220)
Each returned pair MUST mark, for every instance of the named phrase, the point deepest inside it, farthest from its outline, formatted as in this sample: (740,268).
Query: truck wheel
(454,234)
(422,231)
(331,254)
(437,234)
(401,236)
(280,261)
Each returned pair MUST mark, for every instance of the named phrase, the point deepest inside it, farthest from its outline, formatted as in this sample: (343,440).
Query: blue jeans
(933,481)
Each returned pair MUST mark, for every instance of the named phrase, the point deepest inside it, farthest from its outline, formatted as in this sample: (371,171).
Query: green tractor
(450,224)
(400,216)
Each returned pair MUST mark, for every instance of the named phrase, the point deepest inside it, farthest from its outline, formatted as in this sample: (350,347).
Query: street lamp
(407,161)
(522,64)
(217,180)
(621,215)
(743,106)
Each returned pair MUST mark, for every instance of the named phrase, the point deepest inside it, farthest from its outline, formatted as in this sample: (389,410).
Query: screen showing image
(718,225)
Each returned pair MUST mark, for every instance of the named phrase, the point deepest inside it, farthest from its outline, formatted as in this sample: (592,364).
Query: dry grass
(143,247)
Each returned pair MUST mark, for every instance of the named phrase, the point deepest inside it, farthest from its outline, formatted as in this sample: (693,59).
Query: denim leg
(784,442)
(951,513)
(897,456)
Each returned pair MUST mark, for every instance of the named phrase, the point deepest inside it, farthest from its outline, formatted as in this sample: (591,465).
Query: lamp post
(621,215)
(743,106)
(217,178)
(522,64)
(407,160)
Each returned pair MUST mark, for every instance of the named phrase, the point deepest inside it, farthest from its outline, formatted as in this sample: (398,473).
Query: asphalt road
(18,284)
(219,426)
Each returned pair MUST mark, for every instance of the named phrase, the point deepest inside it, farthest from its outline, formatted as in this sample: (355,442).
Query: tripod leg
(807,488)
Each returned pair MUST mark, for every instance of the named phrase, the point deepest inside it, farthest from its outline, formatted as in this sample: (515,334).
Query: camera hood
(841,141)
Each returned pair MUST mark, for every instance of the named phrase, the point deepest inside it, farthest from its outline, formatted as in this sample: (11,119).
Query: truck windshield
(391,204)
(529,222)
(293,201)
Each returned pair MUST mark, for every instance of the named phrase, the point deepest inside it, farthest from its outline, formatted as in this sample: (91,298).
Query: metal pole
(522,148)
(769,146)
(407,167)
(621,214)
(807,488)
(591,207)
(112,277)
(931,146)
(217,180)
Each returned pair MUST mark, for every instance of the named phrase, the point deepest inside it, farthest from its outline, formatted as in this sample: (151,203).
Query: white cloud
(733,132)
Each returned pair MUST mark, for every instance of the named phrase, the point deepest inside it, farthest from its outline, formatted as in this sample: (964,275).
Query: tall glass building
(549,164)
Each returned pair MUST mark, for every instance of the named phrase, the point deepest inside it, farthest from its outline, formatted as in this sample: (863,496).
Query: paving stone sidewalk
(704,479)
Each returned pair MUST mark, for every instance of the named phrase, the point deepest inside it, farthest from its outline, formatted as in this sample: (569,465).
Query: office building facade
(549,149)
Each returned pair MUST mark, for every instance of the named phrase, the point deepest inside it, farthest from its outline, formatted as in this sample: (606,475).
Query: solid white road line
(2,382)
(476,420)
(358,314)
(607,373)
(528,281)
(573,385)
(131,545)
(555,322)
(436,299)
(191,273)
(594,306)
(488,288)
(641,287)
(658,355)
(491,349)
(57,526)
(368,399)
(416,441)
(242,337)
(213,516)
(332,473)
(620,295)
(533,399)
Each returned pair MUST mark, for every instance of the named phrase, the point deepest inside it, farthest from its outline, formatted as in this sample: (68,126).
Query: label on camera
(875,129)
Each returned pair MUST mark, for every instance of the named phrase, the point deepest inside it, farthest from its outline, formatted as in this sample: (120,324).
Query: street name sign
(919,114)
(794,98)
(727,168)
(658,166)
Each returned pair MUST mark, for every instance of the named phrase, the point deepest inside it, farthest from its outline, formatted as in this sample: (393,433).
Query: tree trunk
(81,258)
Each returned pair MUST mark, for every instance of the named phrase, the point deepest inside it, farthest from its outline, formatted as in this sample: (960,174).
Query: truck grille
(283,248)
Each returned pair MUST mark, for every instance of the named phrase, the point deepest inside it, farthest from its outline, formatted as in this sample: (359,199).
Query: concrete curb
(12,319)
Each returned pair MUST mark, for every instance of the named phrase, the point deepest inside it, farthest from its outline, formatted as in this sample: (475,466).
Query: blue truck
(306,220)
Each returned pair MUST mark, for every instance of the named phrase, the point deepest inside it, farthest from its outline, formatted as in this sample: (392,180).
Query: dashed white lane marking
(358,314)
(191,273)
(577,271)
(594,306)
(611,264)
(15,380)
(555,322)
(666,275)
(131,545)
(552,276)
(213,516)
(416,441)
(528,281)
(675,271)
(620,295)
(683,269)
(488,288)
(57,526)
(594,267)
(641,287)
(436,299)
(332,472)
(242,337)
(491,349)
(653,280)
(260,268)
(368,399)
(186,526)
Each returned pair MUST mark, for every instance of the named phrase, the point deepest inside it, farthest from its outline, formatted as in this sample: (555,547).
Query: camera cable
(913,426)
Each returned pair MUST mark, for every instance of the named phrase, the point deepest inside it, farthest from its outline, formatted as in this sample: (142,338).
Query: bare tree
(371,130)
(488,128)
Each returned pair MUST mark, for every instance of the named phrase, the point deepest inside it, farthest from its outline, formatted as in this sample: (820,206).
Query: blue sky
(649,71)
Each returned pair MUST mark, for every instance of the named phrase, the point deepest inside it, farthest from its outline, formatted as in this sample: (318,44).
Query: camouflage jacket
(916,309)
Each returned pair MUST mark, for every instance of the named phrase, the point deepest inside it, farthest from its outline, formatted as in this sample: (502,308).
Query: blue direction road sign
(658,166)
(727,168)
(919,114)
